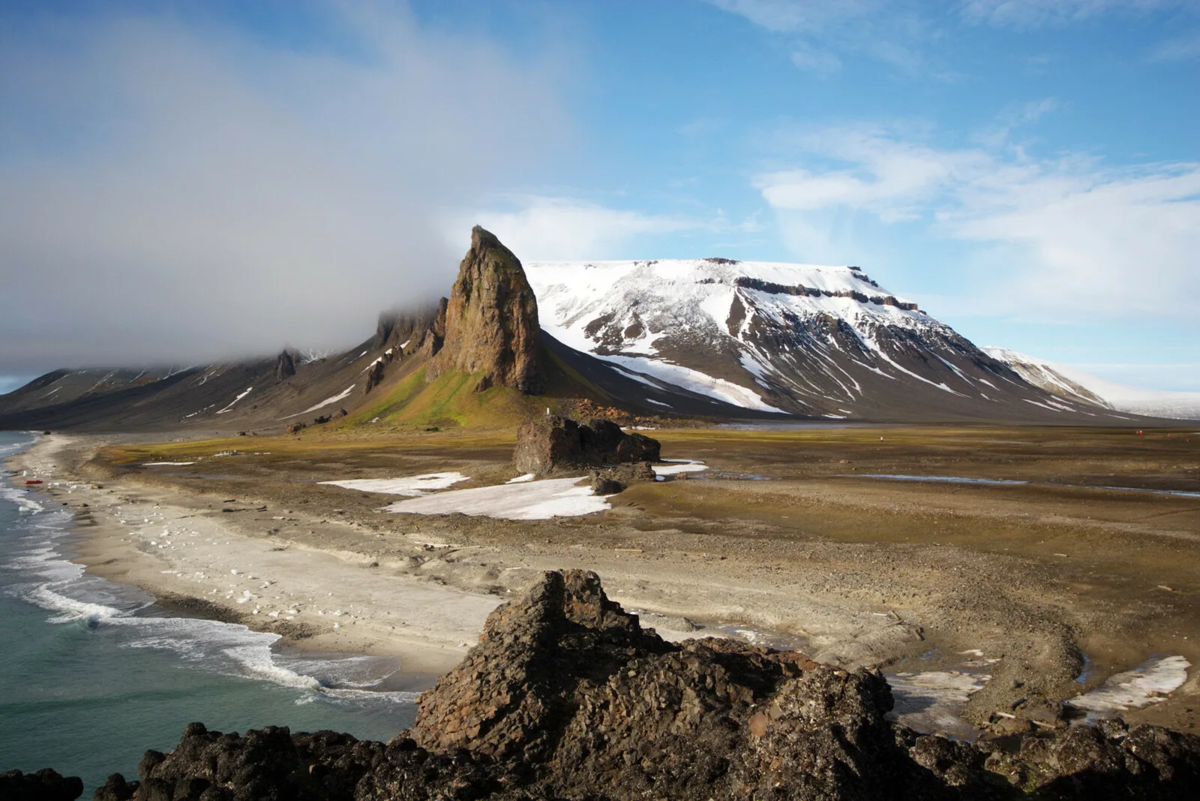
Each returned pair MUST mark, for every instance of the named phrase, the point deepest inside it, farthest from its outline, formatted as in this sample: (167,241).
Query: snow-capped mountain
(790,338)
(1068,382)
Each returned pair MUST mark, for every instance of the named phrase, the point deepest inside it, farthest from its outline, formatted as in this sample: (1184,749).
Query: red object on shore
(34,481)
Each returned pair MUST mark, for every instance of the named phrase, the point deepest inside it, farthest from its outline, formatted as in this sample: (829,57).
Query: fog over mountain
(179,193)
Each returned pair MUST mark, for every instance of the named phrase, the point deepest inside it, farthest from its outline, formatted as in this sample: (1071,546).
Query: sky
(182,182)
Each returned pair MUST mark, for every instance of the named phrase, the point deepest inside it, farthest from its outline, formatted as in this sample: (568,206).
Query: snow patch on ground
(412,486)
(522,479)
(532,500)
(235,400)
(933,700)
(324,403)
(1148,683)
(676,466)
(166,464)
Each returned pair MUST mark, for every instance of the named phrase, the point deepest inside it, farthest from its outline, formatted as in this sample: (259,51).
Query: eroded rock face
(285,366)
(553,444)
(567,697)
(491,320)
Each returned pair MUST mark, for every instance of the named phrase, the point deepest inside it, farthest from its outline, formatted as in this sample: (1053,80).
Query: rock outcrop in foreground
(491,320)
(567,697)
(547,445)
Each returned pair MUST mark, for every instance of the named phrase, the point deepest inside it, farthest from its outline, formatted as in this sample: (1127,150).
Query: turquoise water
(92,673)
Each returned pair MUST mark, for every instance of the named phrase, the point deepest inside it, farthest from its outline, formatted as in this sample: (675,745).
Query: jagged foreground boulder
(551,444)
(491,320)
(567,697)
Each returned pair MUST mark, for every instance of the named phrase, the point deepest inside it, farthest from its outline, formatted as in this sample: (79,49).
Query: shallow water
(93,673)
(1013,482)
(938,479)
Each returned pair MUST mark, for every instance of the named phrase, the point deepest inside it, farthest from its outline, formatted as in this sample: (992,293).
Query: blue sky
(187,181)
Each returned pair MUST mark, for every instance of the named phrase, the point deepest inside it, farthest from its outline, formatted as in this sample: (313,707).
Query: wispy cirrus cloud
(1063,238)
(1038,13)
(1180,48)
(562,228)
(822,34)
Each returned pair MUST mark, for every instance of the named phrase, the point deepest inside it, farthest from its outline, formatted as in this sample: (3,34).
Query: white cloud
(792,16)
(559,229)
(1035,13)
(1182,48)
(1066,237)
(173,194)
(822,62)
(826,32)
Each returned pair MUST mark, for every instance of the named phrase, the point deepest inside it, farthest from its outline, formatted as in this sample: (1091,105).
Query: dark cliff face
(567,697)
(491,320)
(285,366)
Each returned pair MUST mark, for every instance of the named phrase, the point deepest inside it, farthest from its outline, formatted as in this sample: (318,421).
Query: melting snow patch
(324,403)
(533,500)
(1148,683)
(166,464)
(412,486)
(677,466)
(932,701)
(522,479)
(235,400)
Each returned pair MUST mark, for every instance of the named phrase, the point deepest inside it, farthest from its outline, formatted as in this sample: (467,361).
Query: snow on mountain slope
(1069,382)
(793,338)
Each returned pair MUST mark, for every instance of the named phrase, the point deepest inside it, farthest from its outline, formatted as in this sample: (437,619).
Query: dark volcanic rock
(550,444)
(44,785)
(612,480)
(491,321)
(567,697)
(285,366)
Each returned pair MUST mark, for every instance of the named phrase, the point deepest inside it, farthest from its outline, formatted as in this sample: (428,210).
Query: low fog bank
(182,194)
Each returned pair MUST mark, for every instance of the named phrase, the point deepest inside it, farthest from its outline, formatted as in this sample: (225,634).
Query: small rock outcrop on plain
(566,696)
(491,320)
(551,444)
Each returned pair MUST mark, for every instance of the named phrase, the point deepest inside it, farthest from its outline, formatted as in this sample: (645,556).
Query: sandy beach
(328,569)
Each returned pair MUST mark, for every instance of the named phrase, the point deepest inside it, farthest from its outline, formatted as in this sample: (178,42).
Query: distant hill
(710,338)
(1072,384)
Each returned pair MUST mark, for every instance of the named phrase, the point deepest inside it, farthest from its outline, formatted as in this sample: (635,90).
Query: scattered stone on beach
(554,444)
(567,696)
(612,480)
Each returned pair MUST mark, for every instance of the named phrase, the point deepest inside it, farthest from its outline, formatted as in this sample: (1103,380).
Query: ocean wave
(47,579)
(71,609)
(21,499)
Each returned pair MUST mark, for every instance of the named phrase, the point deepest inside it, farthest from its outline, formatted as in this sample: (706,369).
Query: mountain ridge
(714,339)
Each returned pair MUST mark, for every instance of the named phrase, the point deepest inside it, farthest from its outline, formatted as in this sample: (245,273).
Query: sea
(94,673)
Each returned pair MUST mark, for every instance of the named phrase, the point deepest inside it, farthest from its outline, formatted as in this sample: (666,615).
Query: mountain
(1076,385)
(492,320)
(708,338)
(818,341)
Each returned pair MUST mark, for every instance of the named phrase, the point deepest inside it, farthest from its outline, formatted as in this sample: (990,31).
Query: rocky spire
(491,321)
(285,366)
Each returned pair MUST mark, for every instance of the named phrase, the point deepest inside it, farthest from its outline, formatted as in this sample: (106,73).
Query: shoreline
(340,577)
(191,561)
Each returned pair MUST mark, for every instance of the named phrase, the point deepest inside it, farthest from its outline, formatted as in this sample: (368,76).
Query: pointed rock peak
(491,320)
(285,365)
